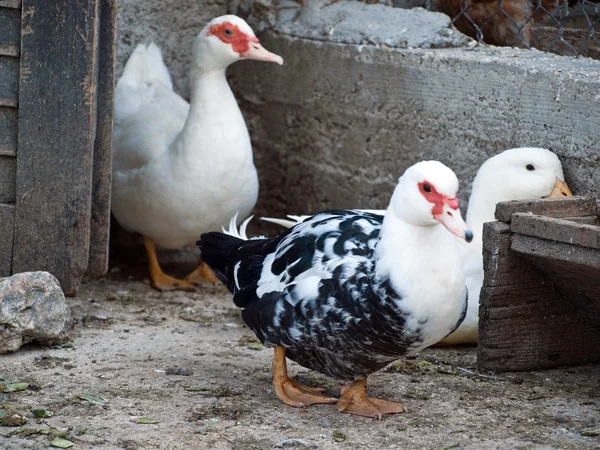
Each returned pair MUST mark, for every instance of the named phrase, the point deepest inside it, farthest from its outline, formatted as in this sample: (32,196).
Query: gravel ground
(188,363)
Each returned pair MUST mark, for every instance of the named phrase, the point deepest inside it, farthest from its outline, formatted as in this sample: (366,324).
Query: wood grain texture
(55,139)
(526,321)
(9,81)
(8,168)
(7,220)
(575,269)
(10,31)
(553,229)
(549,207)
(102,174)
(8,131)
(15,4)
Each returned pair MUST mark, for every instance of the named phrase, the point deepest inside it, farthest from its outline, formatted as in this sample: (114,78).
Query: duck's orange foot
(202,274)
(165,283)
(159,279)
(291,392)
(354,400)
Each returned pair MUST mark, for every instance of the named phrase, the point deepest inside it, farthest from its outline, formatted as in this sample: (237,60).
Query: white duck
(181,169)
(515,174)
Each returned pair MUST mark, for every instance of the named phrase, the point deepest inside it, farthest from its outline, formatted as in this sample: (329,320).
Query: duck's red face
(446,211)
(247,46)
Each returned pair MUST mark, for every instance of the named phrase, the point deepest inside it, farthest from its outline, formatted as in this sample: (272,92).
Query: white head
(515,174)
(426,195)
(225,40)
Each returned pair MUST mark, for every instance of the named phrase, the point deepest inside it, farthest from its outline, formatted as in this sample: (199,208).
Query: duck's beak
(560,189)
(258,52)
(454,223)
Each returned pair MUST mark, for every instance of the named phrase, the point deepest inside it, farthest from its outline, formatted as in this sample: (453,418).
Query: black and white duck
(347,292)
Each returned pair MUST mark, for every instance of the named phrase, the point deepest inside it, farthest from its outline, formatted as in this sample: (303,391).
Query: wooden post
(10,44)
(102,175)
(540,301)
(57,105)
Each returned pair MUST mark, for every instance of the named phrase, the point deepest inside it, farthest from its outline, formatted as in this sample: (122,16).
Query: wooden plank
(55,139)
(550,207)
(9,81)
(575,269)
(525,321)
(7,221)
(102,174)
(10,31)
(8,170)
(8,131)
(16,4)
(554,229)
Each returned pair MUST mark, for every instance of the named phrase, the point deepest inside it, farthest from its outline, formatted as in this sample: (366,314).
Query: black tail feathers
(218,251)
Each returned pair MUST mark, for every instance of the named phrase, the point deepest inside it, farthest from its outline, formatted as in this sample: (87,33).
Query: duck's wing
(148,114)
(297,266)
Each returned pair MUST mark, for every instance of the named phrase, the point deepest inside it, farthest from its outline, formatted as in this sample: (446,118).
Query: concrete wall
(172,25)
(339,122)
(361,97)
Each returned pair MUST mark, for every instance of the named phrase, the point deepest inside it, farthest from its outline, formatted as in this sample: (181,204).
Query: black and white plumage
(347,292)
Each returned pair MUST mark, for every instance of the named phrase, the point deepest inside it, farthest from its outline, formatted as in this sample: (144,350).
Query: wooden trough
(56,107)
(540,301)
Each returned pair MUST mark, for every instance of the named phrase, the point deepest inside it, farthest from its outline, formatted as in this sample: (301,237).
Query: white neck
(421,250)
(214,123)
(424,266)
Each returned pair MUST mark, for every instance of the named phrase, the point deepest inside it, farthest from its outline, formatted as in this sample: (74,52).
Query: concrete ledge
(338,123)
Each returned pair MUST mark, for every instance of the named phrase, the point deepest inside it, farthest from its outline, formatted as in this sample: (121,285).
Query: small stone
(33,308)
(178,371)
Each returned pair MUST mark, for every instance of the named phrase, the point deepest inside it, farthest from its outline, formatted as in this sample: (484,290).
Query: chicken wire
(565,27)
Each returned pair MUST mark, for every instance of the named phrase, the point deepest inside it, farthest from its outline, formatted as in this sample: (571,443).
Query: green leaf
(196,389)
(13,387)
(94,399)
(449,446)
(590,433)
(146,420)
(338,436)
(42,413)
(255,346)
(61,443)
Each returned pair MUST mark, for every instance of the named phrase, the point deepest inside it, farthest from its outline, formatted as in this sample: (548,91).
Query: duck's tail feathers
(240,232)
(144,67)
(217,251)
(286,223)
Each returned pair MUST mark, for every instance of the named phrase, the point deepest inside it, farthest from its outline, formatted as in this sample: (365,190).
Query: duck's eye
(426,188)
(530,167)
(227,32)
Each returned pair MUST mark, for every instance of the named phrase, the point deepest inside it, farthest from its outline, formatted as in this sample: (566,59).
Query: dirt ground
(188,362)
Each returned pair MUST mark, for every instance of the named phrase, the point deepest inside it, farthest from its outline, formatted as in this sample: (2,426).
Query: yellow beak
(560,190)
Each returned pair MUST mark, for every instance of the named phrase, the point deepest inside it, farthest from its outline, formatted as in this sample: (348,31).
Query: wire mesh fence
(565,27)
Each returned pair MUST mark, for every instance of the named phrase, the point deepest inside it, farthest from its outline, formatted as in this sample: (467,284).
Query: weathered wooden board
(8,166)
(7,220)
(55,138)
(8,130)
(526,321)
(554,229)
(550,207)
(102,175)
(574,269)
(16,4)
(10,31)
(9,81)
